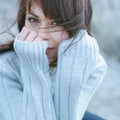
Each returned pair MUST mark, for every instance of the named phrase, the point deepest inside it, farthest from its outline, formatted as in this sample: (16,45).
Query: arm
(79,73)
(90,85)
(23,101)
(32,99)
(37,96)
(10,94)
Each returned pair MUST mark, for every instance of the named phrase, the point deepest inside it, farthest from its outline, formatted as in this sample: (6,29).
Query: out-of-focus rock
(8,13)
(106,25)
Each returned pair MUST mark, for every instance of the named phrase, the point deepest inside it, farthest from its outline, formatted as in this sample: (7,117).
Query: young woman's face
(37,22)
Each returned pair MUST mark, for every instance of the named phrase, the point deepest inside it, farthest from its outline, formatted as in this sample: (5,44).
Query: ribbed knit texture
(27,90)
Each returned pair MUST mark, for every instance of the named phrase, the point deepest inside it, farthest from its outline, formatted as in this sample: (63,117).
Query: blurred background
(105,28)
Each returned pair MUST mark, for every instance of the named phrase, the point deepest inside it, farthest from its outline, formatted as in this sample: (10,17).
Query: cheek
(31,27)
(27,24)
(65,35)
(60,36)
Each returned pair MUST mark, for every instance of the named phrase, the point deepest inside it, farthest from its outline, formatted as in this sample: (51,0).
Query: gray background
(105,28)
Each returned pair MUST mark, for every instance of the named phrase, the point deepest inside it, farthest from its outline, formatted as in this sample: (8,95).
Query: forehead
(38,12)
(36,8)
(48,7)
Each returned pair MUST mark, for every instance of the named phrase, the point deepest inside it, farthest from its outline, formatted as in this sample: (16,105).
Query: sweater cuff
(32,54)
(82,46)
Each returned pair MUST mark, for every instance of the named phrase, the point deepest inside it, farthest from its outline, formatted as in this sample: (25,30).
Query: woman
(54,66)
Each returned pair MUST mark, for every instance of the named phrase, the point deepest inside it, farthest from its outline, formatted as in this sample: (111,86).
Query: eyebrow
(32,13)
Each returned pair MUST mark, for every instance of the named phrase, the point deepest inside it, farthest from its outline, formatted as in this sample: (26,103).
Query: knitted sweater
(29,92)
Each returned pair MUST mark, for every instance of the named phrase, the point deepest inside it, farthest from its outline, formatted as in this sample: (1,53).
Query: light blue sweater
(29,92)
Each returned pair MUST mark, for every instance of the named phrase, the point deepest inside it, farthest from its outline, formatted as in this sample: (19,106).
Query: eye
(32,20)
(55,23)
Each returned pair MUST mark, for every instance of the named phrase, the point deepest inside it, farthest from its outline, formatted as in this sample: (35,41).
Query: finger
(32,35)
(24,33)
(37,39)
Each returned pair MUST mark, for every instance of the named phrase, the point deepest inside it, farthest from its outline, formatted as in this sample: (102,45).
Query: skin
(35,30)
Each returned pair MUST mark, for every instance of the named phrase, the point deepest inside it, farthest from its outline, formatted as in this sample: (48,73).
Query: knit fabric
(29,92)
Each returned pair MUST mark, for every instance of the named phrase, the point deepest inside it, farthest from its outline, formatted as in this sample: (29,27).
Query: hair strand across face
(72,15)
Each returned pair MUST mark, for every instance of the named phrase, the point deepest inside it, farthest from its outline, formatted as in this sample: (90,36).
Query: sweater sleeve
(37,94)
(80,71)
(10,93)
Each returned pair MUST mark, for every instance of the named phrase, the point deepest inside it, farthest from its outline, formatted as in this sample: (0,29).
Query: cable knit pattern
(79,72)
(37,95)
(27,91)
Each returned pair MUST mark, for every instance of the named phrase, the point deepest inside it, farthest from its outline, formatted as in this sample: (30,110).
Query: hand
(28,35)
(31,50)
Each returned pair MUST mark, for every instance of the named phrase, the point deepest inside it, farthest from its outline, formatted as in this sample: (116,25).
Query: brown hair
(73,15)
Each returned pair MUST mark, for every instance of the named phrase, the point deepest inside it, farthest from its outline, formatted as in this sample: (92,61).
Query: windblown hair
(72,15)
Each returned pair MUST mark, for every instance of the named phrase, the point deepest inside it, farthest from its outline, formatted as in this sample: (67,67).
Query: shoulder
(82,40)
(9,64)
(9,59)
(89,40)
